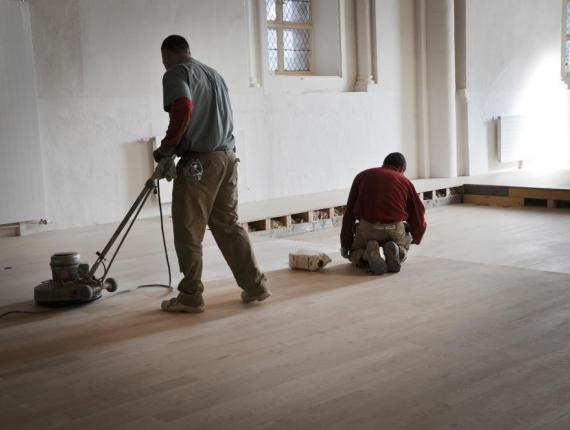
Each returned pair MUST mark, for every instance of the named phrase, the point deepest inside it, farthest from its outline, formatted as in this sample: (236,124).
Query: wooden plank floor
(469,335)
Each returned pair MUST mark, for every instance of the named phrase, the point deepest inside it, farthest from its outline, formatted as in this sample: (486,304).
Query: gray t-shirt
(211,126)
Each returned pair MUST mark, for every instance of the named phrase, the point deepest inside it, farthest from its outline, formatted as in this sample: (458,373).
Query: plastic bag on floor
(312,261)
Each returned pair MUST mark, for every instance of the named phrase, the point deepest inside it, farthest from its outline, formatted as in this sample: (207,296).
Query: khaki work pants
(211,201)
(382,233)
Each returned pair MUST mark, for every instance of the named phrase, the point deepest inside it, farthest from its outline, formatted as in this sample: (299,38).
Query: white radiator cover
(512,138)
(22,190)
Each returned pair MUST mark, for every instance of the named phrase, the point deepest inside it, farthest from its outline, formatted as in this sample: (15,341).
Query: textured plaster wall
(99,92)
(21,173)
(98,78)
(513,55)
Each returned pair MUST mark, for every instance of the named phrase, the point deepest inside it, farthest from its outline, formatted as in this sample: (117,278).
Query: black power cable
(25,312)
(169,286)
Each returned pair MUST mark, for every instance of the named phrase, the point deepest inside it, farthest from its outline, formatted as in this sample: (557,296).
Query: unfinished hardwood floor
(469,335)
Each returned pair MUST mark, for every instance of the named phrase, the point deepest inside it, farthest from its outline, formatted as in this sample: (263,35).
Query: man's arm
(180,116)
(346,233)
(416,215)
(177,101)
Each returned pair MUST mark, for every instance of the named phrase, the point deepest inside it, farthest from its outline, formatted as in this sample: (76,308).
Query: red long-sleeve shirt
(383,195)
(180,115)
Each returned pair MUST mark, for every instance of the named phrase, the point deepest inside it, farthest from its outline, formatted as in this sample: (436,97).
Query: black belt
(195,153)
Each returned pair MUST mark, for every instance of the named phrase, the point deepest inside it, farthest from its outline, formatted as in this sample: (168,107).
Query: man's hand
(166,169)
(345,253)
(158,155)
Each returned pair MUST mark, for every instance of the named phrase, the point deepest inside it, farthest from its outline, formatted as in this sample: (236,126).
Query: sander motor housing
(71,283)
(74,282)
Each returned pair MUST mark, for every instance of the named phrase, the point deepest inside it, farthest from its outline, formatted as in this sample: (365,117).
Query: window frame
(279,25)
(565,40)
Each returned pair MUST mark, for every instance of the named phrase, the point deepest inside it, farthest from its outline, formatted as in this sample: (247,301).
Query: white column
(254,42)
(422,110)
(438,98)
(363,46)
(441,88)
(462,99)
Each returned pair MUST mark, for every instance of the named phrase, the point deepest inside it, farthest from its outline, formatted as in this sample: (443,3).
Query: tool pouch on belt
(192,171)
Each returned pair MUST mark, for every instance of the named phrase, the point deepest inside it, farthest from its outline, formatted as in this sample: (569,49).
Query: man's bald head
(174,49)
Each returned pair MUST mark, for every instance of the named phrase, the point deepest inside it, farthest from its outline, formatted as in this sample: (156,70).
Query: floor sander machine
(74,282)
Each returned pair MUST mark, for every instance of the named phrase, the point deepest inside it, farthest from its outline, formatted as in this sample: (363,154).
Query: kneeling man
(383,211)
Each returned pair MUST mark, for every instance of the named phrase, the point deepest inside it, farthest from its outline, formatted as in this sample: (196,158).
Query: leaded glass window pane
(567,59)
(298,11)
(270,10)
(272,49)
(297,50)
(289,31)
(568,18)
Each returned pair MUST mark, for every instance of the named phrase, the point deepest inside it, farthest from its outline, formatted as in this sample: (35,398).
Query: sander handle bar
(164,169)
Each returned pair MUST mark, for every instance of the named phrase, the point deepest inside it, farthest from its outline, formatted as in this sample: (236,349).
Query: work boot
(173,305)
(261,296)
(376,263)
(392,255)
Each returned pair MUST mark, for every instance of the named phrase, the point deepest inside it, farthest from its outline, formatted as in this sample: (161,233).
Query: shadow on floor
(130,316)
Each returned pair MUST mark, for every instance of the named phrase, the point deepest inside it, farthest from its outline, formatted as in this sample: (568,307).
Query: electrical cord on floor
(169,286)
(25,312)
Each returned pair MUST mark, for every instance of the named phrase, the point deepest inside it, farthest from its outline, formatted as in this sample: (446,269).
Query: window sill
(279,84)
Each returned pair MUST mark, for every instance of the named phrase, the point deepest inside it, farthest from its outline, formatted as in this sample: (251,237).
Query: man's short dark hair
(395,159)
(175,43)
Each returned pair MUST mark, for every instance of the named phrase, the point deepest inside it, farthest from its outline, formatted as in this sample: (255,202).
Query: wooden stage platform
(506,189)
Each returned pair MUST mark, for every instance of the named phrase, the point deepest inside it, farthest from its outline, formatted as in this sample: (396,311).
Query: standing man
(200,132)
(390,216)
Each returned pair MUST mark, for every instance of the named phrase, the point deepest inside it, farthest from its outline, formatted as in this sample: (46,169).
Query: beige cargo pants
(212,201)
(382,233)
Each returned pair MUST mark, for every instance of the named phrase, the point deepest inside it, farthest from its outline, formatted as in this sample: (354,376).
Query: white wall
(513,56)
(98,78)
(21,172)
(99,92)
(326,38)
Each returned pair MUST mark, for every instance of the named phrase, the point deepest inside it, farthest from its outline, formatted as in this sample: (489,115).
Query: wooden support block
(281,222)
(331,213)
(442,193)
(456,190)
(551,204)
(339,211)
(261,225)
(493,201)
(11,230)
(321,214)
(538,193)
(486,190)
(308,216)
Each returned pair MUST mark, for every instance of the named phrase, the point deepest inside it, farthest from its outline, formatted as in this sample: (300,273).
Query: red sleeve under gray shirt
(201,119)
